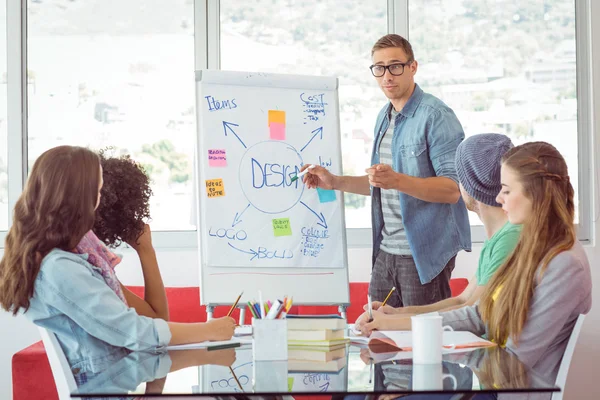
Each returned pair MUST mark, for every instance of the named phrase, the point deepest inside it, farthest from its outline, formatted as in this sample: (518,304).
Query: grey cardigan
(564,292)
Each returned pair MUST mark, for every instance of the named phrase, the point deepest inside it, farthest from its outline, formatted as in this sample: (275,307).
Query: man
(478,161)
(419,221)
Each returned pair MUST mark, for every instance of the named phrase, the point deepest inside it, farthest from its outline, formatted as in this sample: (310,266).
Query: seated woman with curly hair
(43,276)
(120,217)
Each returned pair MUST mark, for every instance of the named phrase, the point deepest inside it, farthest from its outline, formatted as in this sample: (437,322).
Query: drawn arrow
(236,219)
(321,217)
(318,131)
(324,387)
(254,253)
(228,125)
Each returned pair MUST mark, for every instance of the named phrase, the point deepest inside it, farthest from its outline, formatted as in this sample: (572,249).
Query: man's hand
(383,176)
(220,328)
(318,177)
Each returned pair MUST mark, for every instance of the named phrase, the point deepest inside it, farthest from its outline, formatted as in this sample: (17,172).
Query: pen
(223,346)
(252,309)
(261,305)
(235,304)
(301,174)
(371,371)
(388,296)
(274,311)
(257,310)
(370,308)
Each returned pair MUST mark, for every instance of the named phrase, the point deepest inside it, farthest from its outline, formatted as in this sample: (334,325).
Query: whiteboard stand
(211,308)
(242,314)
(342,311)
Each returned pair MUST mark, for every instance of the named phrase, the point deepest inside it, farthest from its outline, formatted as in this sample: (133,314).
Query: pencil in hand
(388,296)
(235,304)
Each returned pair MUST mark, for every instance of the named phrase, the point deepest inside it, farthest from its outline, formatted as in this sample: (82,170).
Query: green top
(495,251)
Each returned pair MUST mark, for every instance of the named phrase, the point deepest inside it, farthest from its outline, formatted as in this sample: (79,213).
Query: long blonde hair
(548,231)
(55,210)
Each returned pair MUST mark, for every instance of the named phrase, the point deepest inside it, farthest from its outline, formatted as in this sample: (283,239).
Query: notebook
(325,334)
(313,322)
(236,342)
(323,344)
(316,366)
(316,355)
(394,341)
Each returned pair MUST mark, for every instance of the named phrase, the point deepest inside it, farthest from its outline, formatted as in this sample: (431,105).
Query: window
(3,115)
(316,38)
(118,74)
(505,66)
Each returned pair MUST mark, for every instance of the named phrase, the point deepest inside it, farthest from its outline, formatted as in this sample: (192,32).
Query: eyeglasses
(395,69)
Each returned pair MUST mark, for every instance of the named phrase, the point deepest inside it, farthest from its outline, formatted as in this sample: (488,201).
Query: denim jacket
(426,135)
(93,326)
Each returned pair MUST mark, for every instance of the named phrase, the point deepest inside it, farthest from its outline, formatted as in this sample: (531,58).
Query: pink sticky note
(217,158)
(277,130)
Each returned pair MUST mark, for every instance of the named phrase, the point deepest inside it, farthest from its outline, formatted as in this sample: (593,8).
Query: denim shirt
(93,326)
(426,135)
(125,375)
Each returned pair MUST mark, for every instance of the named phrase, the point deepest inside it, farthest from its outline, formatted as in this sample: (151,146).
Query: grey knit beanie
(478,165)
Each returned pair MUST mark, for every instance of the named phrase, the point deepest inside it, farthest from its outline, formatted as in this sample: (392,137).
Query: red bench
(32,377)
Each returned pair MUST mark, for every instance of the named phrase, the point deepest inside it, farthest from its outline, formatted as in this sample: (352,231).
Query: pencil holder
(270,376)
(269,339)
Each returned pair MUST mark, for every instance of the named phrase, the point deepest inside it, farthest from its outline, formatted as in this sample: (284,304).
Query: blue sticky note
(325,196)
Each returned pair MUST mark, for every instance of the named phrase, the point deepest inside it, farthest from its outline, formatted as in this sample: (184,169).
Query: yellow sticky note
(215,188)
(282,227)
(276,116)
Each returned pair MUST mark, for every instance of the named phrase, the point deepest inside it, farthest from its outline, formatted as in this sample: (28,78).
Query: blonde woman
(531,304)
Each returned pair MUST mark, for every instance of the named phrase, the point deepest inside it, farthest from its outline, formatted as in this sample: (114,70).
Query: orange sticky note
(215,188)
(276,116)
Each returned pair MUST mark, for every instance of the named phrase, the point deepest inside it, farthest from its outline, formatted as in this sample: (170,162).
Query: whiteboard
(259,230)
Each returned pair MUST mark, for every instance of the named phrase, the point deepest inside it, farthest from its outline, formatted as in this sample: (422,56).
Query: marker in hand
(301,174)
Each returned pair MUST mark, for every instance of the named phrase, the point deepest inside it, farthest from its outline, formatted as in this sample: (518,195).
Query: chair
(563,370)
(65,382)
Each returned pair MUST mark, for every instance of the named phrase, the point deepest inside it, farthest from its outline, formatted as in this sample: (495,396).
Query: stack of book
(316,343)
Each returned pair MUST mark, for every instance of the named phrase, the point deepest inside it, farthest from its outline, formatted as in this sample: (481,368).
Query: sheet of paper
(451,339)
(356,335)
(243,330)
(205,345)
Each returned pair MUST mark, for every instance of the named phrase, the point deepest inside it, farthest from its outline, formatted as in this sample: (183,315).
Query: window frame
(207,55)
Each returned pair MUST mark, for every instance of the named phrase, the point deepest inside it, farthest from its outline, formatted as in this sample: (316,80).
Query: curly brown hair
(124,206)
